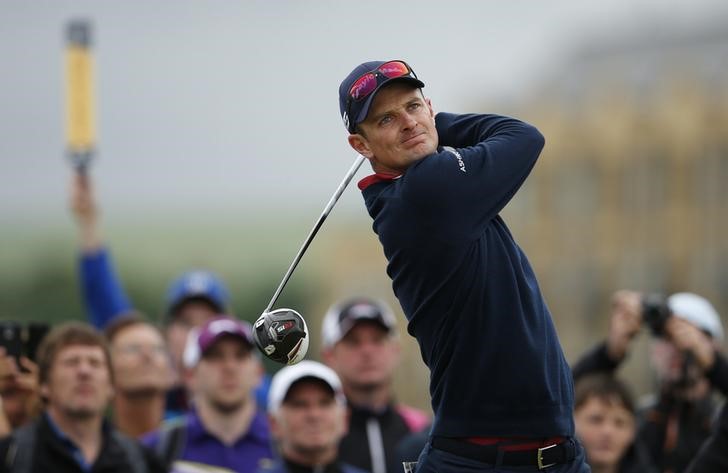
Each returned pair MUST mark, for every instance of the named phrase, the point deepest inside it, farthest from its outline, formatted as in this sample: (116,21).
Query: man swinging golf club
(501,389)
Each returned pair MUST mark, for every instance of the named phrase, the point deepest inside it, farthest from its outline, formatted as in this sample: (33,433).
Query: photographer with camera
(19,397)
(687,333)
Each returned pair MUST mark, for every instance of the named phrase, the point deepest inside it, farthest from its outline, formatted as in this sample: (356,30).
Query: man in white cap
(307,413)
(685,354)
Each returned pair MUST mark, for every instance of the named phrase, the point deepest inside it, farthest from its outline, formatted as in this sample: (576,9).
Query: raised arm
(625,322)
(468,185)
(102,292)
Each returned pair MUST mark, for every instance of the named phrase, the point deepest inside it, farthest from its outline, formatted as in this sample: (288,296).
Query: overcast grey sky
(229,106)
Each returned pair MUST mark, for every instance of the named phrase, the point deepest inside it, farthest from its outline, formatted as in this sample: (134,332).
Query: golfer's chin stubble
(422,149)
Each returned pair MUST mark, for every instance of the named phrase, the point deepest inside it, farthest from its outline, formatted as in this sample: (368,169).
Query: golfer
(501,389)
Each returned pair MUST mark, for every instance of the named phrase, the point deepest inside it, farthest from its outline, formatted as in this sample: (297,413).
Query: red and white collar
(377,177)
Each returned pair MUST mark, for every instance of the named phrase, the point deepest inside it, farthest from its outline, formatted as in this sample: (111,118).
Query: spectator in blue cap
(192,299)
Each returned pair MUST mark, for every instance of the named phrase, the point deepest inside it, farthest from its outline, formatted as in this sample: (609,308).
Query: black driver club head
(282,336)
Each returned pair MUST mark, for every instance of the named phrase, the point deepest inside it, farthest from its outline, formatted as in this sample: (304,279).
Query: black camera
(22,339)
(655,313)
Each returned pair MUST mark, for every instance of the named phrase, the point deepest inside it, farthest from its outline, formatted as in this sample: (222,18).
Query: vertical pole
(80,106)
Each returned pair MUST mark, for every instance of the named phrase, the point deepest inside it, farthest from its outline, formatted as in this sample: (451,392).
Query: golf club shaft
(334,198)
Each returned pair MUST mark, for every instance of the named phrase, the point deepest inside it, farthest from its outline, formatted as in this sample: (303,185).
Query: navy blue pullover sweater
(470,296)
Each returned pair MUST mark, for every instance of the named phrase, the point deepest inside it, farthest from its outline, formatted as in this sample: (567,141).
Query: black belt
(541,458)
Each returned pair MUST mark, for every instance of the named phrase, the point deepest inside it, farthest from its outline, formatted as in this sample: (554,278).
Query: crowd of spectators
(118,393)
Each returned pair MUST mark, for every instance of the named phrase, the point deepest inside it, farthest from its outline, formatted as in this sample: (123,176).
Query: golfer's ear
(360,145)
(429,105)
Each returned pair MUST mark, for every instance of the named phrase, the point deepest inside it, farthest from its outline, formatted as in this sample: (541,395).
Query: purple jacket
(200,446)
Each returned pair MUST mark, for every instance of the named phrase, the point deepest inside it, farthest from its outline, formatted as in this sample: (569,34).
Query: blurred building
(630,190)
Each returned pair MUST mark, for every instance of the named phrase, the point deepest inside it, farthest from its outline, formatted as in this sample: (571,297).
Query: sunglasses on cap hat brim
(369,82)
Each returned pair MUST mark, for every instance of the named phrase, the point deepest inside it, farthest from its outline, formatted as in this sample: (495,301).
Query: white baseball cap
(698,311)
(344,315)
(306,369)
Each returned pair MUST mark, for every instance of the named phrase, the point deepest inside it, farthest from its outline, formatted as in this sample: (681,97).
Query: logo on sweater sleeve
(454,152)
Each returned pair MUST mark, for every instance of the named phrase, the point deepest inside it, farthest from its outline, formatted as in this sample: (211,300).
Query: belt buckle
(539,457)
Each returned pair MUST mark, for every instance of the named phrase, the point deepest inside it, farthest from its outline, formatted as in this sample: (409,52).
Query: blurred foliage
(42,292)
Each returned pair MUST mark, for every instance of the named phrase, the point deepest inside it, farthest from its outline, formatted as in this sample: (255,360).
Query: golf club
(282,334)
